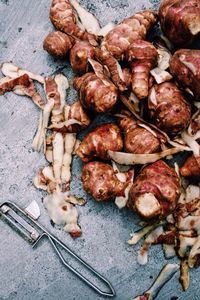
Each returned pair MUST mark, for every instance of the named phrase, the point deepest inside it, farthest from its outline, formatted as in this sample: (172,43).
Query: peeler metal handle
(34,232)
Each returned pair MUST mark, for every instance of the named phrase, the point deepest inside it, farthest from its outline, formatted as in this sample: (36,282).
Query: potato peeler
(33,232)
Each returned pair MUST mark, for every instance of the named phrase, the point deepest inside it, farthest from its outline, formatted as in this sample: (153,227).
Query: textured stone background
(37,274)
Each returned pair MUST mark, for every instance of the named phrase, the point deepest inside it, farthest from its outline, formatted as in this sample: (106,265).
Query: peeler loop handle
(55,242)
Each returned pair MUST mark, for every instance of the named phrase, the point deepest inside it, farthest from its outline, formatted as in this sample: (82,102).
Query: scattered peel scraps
(12,71)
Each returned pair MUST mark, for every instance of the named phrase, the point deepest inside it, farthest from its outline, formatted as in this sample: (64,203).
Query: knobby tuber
(185,67)
(100,181)
(155,191)
(191,167)
(168,108)
(62,16)
(96,94)
(97,143)
(58,44)
(142,57)
(79,54)
(180,20)
(138,139)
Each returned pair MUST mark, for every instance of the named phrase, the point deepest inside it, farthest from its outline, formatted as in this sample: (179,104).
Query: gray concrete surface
(37,274)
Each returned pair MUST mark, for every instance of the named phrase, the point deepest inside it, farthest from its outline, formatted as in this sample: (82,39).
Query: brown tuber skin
(191,167)
(100,181)
(142,57)
(137,139)
(96,94)
(78,113)
(168,108)
(79,54)
(57,44)
(155,191)
(63,18)
(97,143)
(180,20)
(117,41)
(185,67)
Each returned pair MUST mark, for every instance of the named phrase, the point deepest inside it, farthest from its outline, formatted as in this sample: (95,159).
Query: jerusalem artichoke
(185,67)
(155,191)
(142,57)
(97,143)
(168,108)
(101,182)
(57,44)
(180,20)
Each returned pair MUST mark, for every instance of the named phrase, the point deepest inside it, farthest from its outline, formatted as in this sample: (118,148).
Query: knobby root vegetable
(79,54)
(100,181)
(168,108)
(142,57)
(180,20)
(138,139)
(185,67)
(62,16)
(115,44)
(58,44)
(117,41)
(191,167)
(131,106)
(69,143)
(96,94)
(97,143)
(155,191)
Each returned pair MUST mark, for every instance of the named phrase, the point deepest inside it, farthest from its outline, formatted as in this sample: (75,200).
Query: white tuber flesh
(33,210)
(164,276)
(107,28)
(191,142)
(69,143)
(58,152)
(160,75)
(147,205)
(89,22)
(164,58)
(138,235)
(62,86)
(39,139)
(62,213)
(12,71)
